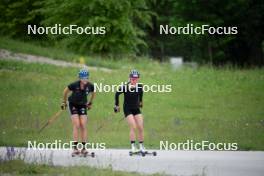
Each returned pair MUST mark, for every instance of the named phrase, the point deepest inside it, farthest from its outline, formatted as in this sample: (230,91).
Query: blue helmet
(83,74)
(134,74)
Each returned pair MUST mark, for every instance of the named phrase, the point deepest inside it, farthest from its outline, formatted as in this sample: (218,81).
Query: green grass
(36,49)
(219,105)
(60,53)
(18,167)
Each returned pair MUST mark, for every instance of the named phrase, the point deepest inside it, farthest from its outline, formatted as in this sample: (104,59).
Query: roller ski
(82,153)
(75,153)
(141,151)
(85,153)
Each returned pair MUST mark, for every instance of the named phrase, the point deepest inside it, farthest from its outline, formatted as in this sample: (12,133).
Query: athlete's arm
(120,91)
(92,97)
(141,97)
(116,108)
(90,102)
(65,96)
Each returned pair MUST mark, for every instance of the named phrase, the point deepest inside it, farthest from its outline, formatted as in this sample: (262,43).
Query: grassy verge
(218,105)
(18,167)
(64,54)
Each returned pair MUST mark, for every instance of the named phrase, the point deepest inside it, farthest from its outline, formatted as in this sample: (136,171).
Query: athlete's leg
(75,126)
(132,131)
(132,126)
(140,126)
(75,130)
(83,127)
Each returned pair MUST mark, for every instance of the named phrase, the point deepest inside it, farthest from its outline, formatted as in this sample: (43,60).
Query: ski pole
(104,123)
(51,120)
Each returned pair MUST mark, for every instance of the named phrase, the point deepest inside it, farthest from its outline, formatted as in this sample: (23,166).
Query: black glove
(116,109)
(89,105)
(141,104)
(63,105)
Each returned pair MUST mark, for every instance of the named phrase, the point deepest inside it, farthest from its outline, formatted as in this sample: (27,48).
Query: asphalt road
(215,163)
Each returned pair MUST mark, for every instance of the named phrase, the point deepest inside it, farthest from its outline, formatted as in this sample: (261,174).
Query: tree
(120,17)
(16,15)
(245,48)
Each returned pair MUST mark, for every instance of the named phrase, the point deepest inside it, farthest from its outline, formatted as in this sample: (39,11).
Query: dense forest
(132,28)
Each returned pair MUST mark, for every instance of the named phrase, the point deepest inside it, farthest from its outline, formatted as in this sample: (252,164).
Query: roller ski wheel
(92,154)
(85,153)
(143,153)
(89,155)
(154,153)
(75,153)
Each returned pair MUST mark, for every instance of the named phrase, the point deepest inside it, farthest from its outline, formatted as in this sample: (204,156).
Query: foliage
(133,27)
